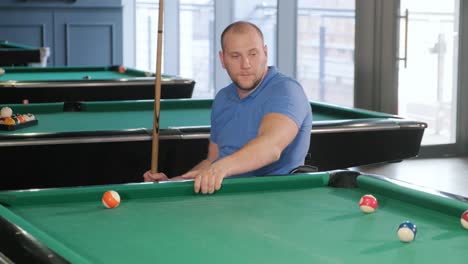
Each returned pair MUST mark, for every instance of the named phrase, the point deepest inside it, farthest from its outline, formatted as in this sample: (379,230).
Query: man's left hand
(209,180)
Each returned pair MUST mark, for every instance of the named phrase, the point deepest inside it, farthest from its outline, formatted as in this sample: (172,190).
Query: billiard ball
(86,77)
(464,219)
(368,203)
(19,119)
(8,121)
(28,117)
(2,71)
(6,111)
(407,231)
(121,69)
(111,199)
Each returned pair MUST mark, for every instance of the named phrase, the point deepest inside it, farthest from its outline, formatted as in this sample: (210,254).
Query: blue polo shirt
(235,121)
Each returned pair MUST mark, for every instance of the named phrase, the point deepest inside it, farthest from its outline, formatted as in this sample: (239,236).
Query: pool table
(301,218)
(17,54)
(110,142)
(75,84)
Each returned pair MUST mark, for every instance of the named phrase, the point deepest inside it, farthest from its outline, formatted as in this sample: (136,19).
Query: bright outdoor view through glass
(325,50)
(428,85)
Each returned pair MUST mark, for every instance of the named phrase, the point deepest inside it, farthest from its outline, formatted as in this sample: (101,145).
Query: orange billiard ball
(122,69)
(111,199)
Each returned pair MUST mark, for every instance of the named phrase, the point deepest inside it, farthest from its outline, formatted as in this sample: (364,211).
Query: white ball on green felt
(6,111)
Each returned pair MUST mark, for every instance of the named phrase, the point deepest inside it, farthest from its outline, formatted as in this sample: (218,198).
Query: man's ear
(265,50)
(221,58)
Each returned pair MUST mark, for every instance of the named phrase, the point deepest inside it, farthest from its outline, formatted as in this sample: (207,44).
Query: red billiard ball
(121,69)
(368,203)
(464,219)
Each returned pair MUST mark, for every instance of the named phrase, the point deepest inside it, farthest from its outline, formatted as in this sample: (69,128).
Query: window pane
(146,34)
(325,51)
(263,14)
(196,40)
(428,86)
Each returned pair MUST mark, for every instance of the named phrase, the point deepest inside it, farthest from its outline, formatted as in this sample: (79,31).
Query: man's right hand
(155,177)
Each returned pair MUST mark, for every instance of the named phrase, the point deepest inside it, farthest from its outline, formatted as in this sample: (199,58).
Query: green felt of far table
(51,74)
(18,54)
(302,218)
(115,116)
(76,84)
(7,45)
(131,115)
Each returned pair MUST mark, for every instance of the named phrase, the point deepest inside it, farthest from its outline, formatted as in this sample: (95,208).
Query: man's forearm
(256,154)
(263,150)
(202,165)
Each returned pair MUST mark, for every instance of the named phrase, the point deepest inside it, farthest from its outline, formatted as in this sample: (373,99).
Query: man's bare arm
(276,132)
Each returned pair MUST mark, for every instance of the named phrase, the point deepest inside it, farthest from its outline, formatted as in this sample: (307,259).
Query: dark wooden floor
(442,174)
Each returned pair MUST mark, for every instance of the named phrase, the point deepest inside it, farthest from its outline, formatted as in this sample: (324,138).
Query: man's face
(245,58)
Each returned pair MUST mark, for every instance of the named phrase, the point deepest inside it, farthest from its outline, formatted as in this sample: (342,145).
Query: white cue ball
(6,112)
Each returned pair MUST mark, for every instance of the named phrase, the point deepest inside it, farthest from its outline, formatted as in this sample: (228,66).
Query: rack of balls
(7,118)
(407,230)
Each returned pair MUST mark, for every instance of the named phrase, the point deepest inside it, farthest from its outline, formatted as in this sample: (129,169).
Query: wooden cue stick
(157,92)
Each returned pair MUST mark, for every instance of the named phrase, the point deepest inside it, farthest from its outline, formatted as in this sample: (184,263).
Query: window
(193,43)
(428,85)
(196,40)
(325,50)
(325,42)
(146,34)
(196,37)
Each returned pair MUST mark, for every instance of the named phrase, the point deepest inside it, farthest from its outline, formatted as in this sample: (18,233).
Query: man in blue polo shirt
(260,123)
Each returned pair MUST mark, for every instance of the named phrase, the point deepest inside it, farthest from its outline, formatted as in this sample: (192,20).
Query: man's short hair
(240,27)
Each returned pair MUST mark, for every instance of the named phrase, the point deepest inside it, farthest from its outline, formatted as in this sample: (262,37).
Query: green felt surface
(329,112)
(22,74)
(123,115)
(294,219)
(111,116)
(15,46)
